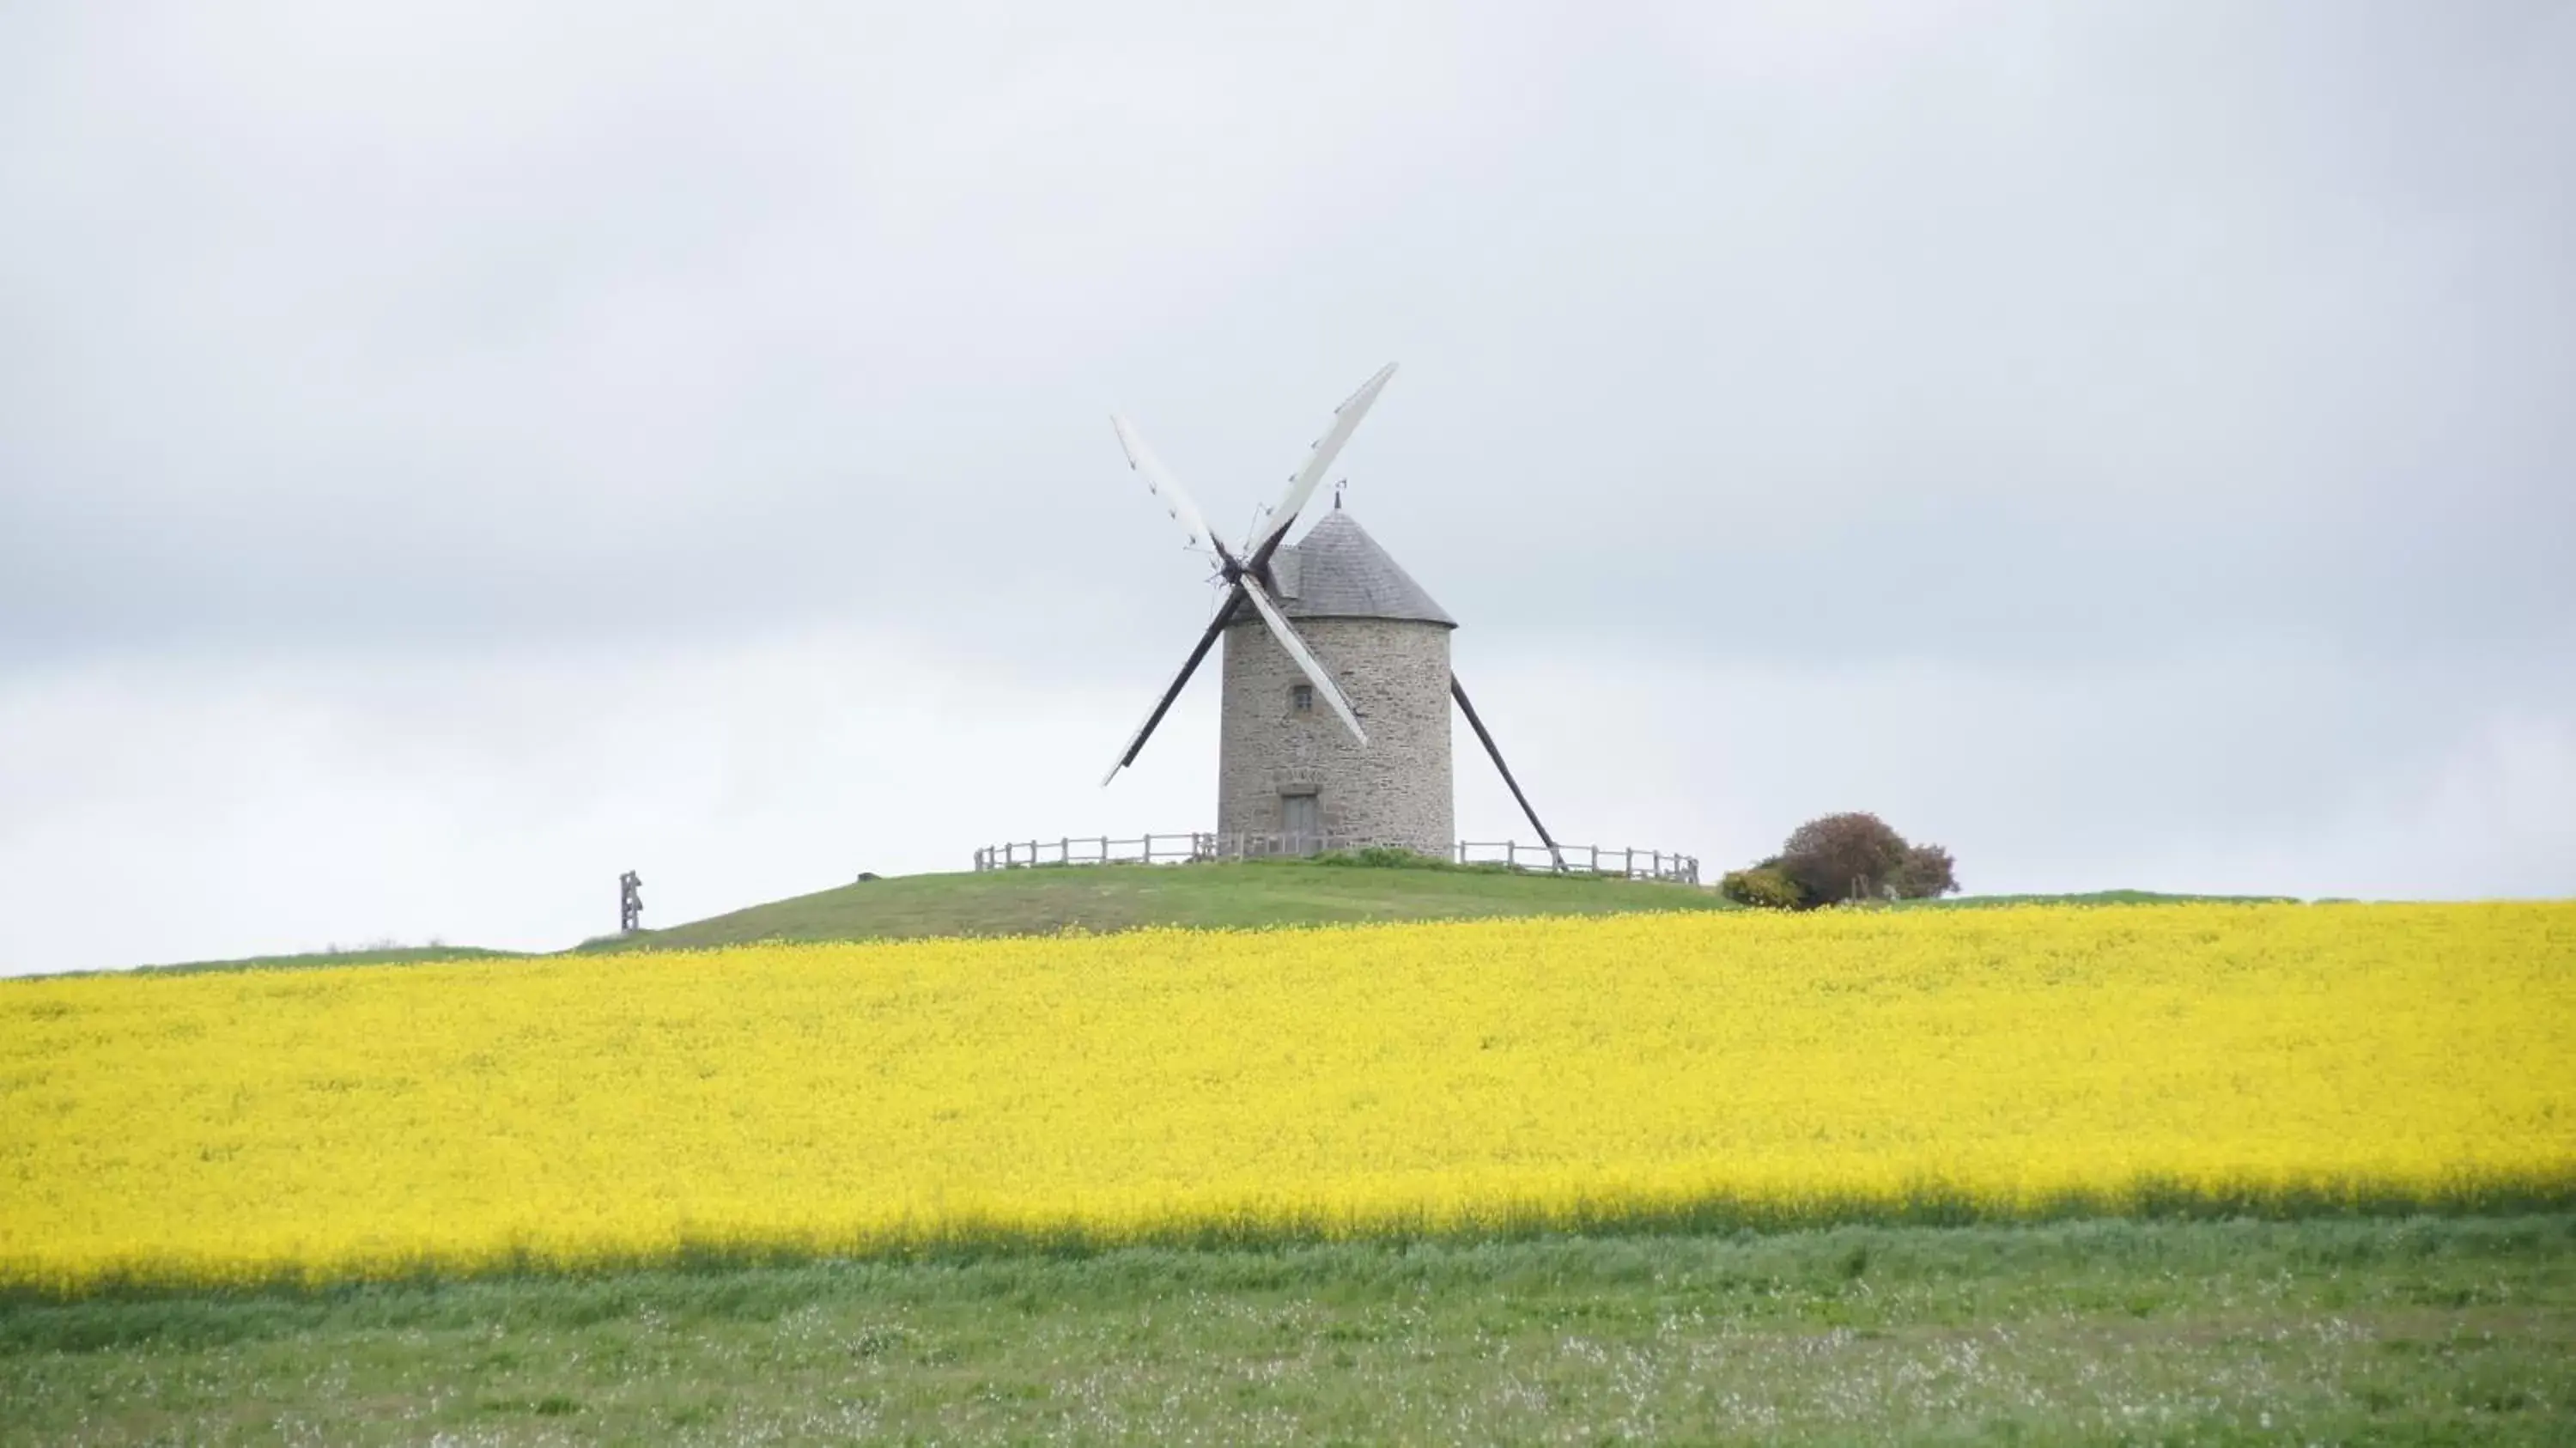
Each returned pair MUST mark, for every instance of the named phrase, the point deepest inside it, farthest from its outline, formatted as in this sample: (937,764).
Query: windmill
(1373,650)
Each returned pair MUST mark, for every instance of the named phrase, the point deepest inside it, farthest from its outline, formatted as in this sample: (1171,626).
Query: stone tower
(1285,765)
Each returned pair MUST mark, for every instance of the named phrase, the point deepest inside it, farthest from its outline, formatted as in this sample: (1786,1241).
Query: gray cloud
(2068,331)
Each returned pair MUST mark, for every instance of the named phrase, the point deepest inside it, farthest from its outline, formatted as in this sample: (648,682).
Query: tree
(1843,857)
(1927,873)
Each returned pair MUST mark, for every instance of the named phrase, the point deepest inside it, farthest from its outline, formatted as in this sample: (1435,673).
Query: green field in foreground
(2342,1331)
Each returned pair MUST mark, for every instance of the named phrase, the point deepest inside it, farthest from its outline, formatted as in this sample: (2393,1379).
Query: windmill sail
(1243,572)
(1160,482)
(1301,486)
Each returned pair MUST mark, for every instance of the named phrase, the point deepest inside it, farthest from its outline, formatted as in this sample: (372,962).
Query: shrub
(1762,887)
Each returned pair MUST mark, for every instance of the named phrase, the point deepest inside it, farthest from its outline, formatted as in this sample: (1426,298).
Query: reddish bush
(1927,873)
(1843,857)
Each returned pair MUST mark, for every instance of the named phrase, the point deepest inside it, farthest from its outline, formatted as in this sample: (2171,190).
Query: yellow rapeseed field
(564,1112)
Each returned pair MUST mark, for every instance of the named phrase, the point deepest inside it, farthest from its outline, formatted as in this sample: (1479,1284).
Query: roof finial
(1337,493)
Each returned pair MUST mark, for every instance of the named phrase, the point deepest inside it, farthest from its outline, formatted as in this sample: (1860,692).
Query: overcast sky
(453,453)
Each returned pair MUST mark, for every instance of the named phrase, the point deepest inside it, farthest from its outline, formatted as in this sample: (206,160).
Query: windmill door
(1298,825)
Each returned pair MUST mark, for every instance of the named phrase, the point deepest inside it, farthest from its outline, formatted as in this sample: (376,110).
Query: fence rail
(1097,850)
(1182,849)
(1583,860)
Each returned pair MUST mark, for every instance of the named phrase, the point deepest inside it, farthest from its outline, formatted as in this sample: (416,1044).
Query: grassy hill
(1123,897)
(1238,895)
(309,959)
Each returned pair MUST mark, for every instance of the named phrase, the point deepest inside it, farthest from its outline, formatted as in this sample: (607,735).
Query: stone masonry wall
(1396,675)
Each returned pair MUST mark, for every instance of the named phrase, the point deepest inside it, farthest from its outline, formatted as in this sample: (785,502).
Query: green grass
(2413,1331)
(307,959)
(2092,897)
(1123,897)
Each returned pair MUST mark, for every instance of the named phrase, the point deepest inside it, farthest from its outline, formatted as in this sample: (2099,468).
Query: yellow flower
(1493,1075)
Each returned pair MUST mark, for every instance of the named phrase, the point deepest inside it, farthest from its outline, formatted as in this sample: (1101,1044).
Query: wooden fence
(1098,850)
(1583,860)
(1181,849)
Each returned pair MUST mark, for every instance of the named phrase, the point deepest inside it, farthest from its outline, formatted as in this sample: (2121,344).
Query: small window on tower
(1301,699)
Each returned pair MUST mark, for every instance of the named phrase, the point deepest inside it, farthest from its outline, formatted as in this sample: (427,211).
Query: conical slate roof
(1338,571)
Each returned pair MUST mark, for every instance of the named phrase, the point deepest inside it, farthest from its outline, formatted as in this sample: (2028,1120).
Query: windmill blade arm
(1159,480)
(1458,692)
(1346,420)
(1162,706)
(1297,650)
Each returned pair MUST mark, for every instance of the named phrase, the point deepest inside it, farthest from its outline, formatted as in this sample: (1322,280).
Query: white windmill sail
(1160,482)
(1242,585)
(1301,485)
